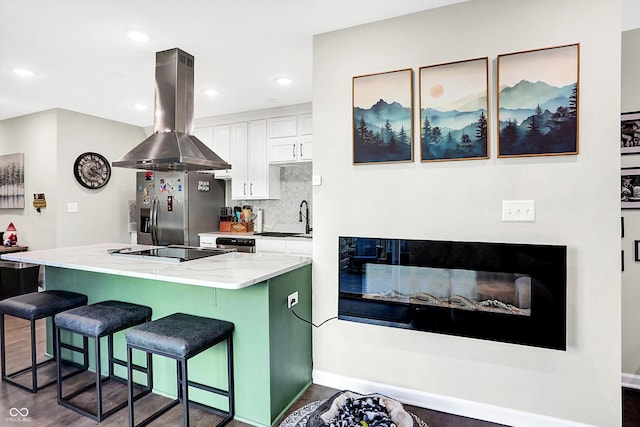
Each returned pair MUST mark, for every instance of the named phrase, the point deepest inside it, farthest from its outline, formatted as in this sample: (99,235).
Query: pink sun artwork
(436,91)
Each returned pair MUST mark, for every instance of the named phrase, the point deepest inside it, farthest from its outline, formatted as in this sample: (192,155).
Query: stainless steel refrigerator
(173,207)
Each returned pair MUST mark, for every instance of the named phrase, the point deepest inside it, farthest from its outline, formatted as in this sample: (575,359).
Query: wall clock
(92,170)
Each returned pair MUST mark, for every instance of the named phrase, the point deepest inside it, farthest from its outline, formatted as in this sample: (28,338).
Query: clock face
(92,170)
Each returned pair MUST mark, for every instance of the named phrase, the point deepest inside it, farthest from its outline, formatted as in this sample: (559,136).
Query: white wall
(51,141)
(576,205)
(630,101)
(35,135)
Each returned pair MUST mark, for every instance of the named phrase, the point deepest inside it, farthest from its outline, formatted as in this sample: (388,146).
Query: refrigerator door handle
(154,220)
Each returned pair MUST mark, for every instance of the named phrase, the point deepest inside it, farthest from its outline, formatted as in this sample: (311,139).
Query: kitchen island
(272,349)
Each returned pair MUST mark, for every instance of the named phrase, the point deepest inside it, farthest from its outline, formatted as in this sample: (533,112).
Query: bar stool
(181,337)
(96,321)
(34,306)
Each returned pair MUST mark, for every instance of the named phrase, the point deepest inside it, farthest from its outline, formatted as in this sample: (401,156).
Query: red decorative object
(11,235)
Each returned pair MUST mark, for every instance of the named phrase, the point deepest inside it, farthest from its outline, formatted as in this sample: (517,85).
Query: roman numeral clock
(92,170)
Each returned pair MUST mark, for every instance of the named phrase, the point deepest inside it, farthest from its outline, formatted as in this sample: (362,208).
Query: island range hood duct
(172,147)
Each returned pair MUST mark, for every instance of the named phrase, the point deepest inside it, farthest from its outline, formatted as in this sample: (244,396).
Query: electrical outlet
(292,299)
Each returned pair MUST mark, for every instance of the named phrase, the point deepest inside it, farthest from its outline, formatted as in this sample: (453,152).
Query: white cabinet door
(238,157)
(305,124)
(301,247)
(283,150)
(283,127)
(208,241)
(221,146)
(252,177)
(205,135)
(306,148)
(271,245)
(258,168)
(290,139)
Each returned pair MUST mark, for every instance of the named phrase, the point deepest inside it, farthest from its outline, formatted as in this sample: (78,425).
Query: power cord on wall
(311,323)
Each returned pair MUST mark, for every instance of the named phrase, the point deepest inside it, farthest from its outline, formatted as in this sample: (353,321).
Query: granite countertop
(228,271)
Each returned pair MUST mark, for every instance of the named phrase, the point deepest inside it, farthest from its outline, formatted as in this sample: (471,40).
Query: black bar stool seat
(95,321)
(34,306)
(180,337)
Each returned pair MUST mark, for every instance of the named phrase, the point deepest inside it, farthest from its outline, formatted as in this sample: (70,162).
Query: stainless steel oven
(240,244)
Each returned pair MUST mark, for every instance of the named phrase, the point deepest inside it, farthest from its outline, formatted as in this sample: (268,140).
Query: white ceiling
(83,60)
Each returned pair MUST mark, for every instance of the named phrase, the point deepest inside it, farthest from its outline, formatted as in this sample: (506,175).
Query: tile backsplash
(295,186)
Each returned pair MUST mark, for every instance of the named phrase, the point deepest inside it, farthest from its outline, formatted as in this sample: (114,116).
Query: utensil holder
(241,227)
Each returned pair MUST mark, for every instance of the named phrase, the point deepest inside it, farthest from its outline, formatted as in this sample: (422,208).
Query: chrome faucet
(307,229)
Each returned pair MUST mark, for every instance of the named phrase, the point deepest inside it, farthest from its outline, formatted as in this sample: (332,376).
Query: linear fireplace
(506,292)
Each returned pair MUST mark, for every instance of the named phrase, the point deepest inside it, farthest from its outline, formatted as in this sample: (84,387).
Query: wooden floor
(43,410)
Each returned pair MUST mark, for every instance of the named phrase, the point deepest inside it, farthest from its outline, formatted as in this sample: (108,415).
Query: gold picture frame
(538,102)
(382,117)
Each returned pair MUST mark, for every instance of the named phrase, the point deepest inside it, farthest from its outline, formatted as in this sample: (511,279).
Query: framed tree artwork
(453,110)
(538,102)
(12,181)
(382,117)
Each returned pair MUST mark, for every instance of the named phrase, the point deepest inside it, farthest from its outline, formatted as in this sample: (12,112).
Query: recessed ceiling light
(23,72)
(210,92)
(284,81)
(140,107)
(138,36)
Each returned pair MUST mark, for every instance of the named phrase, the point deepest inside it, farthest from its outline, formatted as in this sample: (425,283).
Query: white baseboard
(436,402)
(631,381)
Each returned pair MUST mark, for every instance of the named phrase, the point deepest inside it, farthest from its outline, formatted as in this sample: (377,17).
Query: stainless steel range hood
(172,147)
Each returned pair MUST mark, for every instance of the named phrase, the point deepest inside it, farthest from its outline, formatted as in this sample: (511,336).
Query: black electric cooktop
(171,254)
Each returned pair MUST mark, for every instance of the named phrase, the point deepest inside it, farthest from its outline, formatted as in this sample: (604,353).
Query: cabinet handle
(301,154)
(251,188)
(244,191)
(294,150)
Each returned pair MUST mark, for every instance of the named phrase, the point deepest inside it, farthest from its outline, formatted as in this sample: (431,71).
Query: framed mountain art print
(538,102)
(453,110)
(382,117)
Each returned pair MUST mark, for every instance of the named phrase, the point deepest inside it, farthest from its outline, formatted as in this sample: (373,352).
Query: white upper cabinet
(283,127)
(305,124)
(217,139)
(289,139)
(222,146)
(251,175)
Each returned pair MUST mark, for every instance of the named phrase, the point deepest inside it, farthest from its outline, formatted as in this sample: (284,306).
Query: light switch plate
(518,210)
(316,180)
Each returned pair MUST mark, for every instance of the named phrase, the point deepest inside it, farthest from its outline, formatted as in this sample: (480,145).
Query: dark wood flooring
(45,412)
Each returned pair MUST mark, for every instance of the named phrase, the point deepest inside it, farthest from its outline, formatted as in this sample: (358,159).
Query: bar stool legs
(98,321)
(181,337)
(33,307)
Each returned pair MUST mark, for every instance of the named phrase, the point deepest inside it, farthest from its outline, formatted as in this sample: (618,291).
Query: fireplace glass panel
(497,291)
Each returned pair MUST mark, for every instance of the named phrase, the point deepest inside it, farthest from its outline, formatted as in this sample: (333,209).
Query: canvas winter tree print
(453,110)
(382,117)
(12,181)
(538,102)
